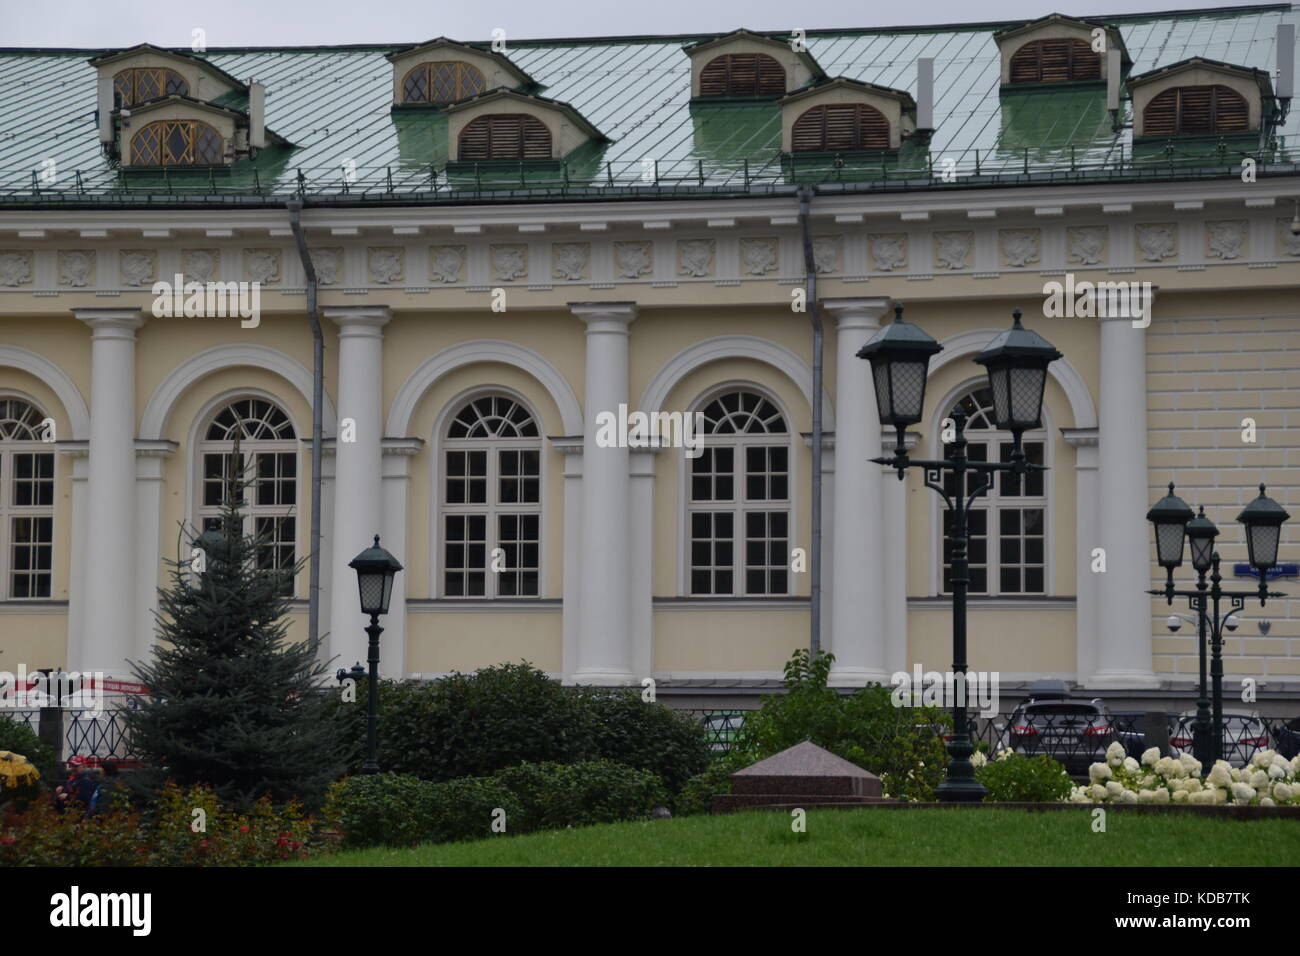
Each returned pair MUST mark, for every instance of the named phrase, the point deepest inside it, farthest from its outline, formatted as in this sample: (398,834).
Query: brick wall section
(1204,377)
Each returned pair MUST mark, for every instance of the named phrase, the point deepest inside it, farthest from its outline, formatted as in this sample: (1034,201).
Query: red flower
(243,829)
(8,840)
(281,842)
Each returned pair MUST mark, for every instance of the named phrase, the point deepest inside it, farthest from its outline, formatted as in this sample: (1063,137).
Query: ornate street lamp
(1016,361)
(1263,519)
(375,569)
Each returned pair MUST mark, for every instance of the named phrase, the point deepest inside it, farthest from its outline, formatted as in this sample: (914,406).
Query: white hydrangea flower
(1243,793)
(1201,798)
(1162,795)
(1149,756)
(1148,781)
(1220,774)
(1276,771)
(1266,802)
(1190,764)
(1282,792)
(1194,785)
(1181,796)
(1295,766)
(1128,796)
(1258,779)
(978,759)
(1114,788)
(1099,792)
(1115,754)
(1131,765)
(1220,796)
(1262,758)
(1167,766)
(1099,772)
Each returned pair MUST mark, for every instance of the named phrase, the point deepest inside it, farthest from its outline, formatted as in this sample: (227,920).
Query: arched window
(441,83)
(140,84)
(1055,61)
(738,505)
(1008,522)
(26,503)
(176,143)
(840,126)
(1196,109)
(505,136)
(492,498)
(268,460)
(742,74)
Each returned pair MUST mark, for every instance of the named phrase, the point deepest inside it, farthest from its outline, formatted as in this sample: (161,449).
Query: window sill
(1035,602)
(481,605)
(703,603)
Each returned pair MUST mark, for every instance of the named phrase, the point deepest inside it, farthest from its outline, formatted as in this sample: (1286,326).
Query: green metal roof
(335,105)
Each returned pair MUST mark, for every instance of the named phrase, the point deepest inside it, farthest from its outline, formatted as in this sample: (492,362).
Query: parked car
(1286,738)
(1244,734)
(1074,732)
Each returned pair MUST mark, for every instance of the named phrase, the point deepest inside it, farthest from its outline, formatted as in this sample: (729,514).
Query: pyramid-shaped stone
(804,775)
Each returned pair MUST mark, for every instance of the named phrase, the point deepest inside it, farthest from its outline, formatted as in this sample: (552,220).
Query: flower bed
(1270,780)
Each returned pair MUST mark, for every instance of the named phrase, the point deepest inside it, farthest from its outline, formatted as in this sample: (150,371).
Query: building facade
(511,248)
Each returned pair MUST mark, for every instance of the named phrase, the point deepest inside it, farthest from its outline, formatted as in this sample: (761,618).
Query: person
(103,796)
(83,789)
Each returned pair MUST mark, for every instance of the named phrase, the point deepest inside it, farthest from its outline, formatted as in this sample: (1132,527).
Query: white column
(857,633)
(571,448)
(1124,620)
(1084,442)
(109,620)
(641,523)
(604,633)
(358,470)
(894,546)
(397,454)
(149,459)
(78,453)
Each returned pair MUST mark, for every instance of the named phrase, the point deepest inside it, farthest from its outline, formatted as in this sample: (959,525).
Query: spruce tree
(232,702)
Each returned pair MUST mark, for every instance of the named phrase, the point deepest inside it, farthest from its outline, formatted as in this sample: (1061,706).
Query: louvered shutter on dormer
(742,74)
(1196,109)
(505,136)
(1056,60)
(840,127)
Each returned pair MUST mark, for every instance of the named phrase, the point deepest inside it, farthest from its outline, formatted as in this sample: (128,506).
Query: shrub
(696,796)
(648,736)
(1016,778)
(20,739)
(398,810)
(1269,780)
(899,744)
(599,791)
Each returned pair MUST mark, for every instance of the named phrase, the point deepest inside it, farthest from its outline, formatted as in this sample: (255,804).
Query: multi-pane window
(1056,60)
(840,126)
(1007,523)
(492,501)
(268,461)
(26,503)
(738,505)
(505,136)
(1196,109)
(176,143)
(742,74)
(141,84)
(442,83)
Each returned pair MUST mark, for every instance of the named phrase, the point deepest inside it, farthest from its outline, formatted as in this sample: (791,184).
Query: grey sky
(118,23)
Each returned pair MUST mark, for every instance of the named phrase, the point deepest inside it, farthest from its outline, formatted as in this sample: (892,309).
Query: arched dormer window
(1007,523)
(840,126)
(742,74)
(738,501)
(441,83)
(177,143)
(505,136)
(26,503)
(140,84)
(492,498)
(1196,109)
(1055,60)
(268,460)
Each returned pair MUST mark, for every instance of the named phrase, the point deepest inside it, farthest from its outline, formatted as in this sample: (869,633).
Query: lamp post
(1171,520)
(375,569)
(1016,361)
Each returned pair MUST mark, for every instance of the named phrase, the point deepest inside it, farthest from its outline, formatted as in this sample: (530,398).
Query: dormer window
(505,136)
(1055,61)
(442,82)
(139,84)
(1196,109)
(176,143)
(742,74)
(840,127)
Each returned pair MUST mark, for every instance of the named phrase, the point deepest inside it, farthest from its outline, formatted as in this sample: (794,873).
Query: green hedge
(401,810)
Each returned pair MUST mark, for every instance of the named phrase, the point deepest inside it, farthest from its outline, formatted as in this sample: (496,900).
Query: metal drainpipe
(317,397)
(814,316)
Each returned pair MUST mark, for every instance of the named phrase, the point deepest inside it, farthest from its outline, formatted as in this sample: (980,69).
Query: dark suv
(1074,732)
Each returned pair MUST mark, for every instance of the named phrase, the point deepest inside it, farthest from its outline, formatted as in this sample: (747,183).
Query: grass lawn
(873,838)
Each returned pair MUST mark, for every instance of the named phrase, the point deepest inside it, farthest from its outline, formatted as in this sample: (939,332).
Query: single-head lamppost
(375,569)
(1171,519)
(1016,361)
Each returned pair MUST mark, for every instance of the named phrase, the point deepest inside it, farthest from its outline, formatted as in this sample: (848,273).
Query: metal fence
(1073,740)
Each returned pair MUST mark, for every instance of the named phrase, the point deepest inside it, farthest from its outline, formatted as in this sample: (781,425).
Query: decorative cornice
(406,447)
(155,448)
(1081,437)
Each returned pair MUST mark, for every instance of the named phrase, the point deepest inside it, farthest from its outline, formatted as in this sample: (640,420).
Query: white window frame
(741,505)
(492,508)
(8,511)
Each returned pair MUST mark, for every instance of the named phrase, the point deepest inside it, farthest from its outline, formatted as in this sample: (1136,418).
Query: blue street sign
(1278,571)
